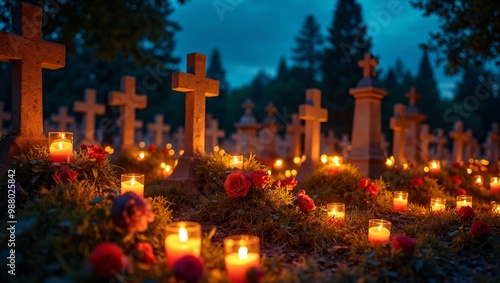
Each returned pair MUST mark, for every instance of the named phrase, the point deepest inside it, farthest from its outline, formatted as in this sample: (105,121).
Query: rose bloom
(108,260)
(405,244)
(64,174)
(363,183)
(189,269)
(480,229)
(466,213)
(460,191)
(147,252)
(455,165)
(237,184)
(277,184)
(289,183)
(131,213)
(94,151)
(152,147)
(259,178)
(305,202)
(417,181)
(372,189)
(456,180)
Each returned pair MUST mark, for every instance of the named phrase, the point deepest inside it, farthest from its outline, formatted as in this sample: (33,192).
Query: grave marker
(458,136)
(90,109)
(63,121)
(159,130)
(400,125)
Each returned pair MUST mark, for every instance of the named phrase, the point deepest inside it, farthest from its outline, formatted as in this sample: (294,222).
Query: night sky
(254,34)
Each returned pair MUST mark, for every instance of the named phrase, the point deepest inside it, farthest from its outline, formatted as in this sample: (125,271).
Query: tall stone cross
(368,64)
(4,116)
(413,96)
(471,146)
(296,130)
(159,129)
(212,133)
(415,118)
(29,54)
(399,124)
(458,136)
(62,120)
(128,101)
(90,109)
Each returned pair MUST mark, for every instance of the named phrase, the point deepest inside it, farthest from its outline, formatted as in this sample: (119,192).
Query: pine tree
(217,105)
(347,43)
(282,69)
(307,53)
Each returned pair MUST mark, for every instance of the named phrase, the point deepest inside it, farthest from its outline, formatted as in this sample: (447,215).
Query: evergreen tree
(217,105)
(282,68)
(347,43)
(307,53)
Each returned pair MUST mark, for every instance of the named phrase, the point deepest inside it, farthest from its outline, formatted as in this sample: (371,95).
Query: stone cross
(296,130)
(368,64)
(471,146)
(494,138)
(62,120)
(345,145)
(29,54)
(4,116)
(159,129)
(90,109)
(212,133)
(426,138)
(441,141)
(179,138)
(399,124)
(128,101)
(268,134)
(330,142)
(458,136)
(413,96)
(415,118)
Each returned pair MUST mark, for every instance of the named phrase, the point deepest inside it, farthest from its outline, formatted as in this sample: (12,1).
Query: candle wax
(336,215)
(400,204)
(136,187)
(175,249)
(61,150)
(463,203)
(377,235)
(237,268)
(495,188)
(437,207)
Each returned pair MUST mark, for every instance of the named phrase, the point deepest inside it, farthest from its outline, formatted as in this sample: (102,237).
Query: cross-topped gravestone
(296,130)
(368,64)
(128,101)
(90,109)
(4,116)
(29,54)
(314,115)
(426,138)
(415,119)
(413,96)
(159,129)
(212,133)
(62,120)
(399,124)
(458,136)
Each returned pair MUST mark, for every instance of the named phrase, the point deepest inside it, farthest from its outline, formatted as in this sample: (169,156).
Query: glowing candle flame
(141,155)
(168,168)
(235,160)
(60,145)
(243,252)
(400,197)
(380,227)
(336,160)
(183,234)
(132,182)
(334,212)
(62,136)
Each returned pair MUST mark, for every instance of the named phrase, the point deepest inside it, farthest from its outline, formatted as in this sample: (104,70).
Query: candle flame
(465,202)
(478,180)
(168,168)
(141,155)
(436,204)
(336,160)
(324,158)
(132,182)
(235,160)
(380,227)
(62,136)
(183,234)
(243,252)
(434,165)
(334,212)
(389,162)
(400,197)
(495,181)
(60,145)
(269,172)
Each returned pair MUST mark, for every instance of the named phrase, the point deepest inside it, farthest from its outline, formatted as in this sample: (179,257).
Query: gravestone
(295,129)
(329,143)
(4,116)
(179,136)
(29,54)
(366,151)
(345,146)
(159,130)
(441,141)
(314,115)
(426,138)
(212,133)
(400,125)
(471,146)
(63,121)
(458,136)
(248,127)
(90,109)
(269,133)
(415,119)
(197,87)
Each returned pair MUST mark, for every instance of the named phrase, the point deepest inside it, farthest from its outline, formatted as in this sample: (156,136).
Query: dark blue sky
(254,34)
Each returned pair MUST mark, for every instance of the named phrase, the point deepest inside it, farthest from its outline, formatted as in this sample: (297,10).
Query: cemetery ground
(65,211)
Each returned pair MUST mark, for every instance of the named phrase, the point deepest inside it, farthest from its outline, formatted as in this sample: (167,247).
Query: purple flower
(131,213)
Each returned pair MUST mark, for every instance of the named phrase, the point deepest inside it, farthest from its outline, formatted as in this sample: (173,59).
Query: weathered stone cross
(413,96)
(90,109)
(212,133)
(62,120)
(159,129)
(399,124)
(368,64)
(296,130)
(314,115)
(458,136)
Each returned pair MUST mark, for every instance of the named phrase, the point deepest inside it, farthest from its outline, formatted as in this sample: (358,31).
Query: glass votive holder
(335,164)
(495,208)
(438,204)
(182,238)
(400,200)
(463,200)
(434,167)
(236,162)
(336,211)
(495,185)
(379,231)
(132,182)
(242,252)
(61,146)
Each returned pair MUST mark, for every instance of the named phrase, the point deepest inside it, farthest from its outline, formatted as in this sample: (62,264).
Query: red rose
(372,189)
(480,229)
(456,180)
(152,147)
(277,184)
(147,252)
(65,174)
(289,183)
(363,183)
(405,244)
(94,151)
(237,184)
(189,269)
(455,165)
(108,260)
(417,181)
(466,213)
(259,178)
(305,202)
(460,191)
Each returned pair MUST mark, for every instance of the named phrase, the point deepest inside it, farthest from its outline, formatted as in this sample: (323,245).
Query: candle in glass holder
(236,162)
(379,231)
(61,146)
(495,208)
(438,204)
(132,182)
(336,211)
(335,164)
(495,185)
(400,201)
(182,238)
(464,200)
(434,167)
(167,171)
(242,252)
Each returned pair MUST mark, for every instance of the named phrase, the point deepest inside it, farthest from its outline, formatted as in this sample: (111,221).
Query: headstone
(415,119)
(296,130)
(29,54)
(128,101)
(400,125)
(494,138)
(441,141)
(366,151)
(4,116)
(329,143)
(345,146)
(90,109)
(179,136)
(314,115)
(248,127)
(471,146)
(426,138)
(212,133)
(458,136)
(269,133)
(159,130)
(197,87)
(63,121)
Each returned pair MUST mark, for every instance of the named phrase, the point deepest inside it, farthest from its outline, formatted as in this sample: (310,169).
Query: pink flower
(108,260)
(237,184)
(417,181)
(372,189)
(94,151)
(189,269)
(305,202)
(64,174)
(363,183)
(289,183)
(480,229)
(148,255)
(405,244)
(259,178)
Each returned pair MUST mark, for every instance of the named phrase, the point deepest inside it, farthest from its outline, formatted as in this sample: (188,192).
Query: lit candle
(242,252)
(389,162)
(478,180)
(182,239)
(495,185)
(438,204)
(278,163)
(434,167)
(464,200)
(132,182)
(61,146)
(379,231)
(495,208)
(167,172)
(400,201)
(236,162)
(334,164)
(336,211)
